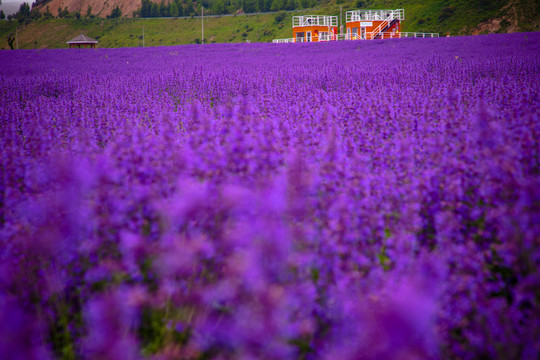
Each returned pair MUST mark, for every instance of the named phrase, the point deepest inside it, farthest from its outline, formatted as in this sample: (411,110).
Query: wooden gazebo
(82,41)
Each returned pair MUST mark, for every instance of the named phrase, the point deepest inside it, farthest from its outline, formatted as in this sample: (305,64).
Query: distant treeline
(24,14)
(218,7)
(27,14)
(175,8)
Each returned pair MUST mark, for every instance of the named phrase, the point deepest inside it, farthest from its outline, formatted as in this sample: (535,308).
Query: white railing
(314,20)
(374,15)
(352,36)
(282,41)
(320,38)
(331,37)
(327,37)
(399,35)
(417,35)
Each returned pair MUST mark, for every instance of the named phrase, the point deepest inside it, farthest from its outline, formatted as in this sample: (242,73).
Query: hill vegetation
(176,22)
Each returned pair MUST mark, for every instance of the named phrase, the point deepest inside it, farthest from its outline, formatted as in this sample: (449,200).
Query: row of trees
(178,8)
(27,14)
(64,13)
(24,13)
(175,8)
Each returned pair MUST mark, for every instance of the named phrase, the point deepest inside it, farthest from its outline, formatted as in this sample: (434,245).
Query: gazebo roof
(82,39)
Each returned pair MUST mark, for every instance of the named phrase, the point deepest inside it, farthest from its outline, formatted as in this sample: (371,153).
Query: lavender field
(351,200)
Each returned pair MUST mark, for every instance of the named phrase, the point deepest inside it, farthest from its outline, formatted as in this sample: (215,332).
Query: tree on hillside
(10,41)
(164,10)
(2,15)
(155,10)
(47,14)
(174,10)
(219,7)
(23,13)
(88,11)
(24,9)
(278,5)
(488,4)
(146,8)
(305,4)
(180,8)
(63,13)
(189,9)
(264,5)
(249,6)
(446,12)
(116,13)
(35,14)
(291,5)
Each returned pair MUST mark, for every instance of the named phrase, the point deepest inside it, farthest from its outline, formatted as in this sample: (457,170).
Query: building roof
(82,39)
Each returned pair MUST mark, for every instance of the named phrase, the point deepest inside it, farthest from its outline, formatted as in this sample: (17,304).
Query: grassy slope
(421,16)
(128,32)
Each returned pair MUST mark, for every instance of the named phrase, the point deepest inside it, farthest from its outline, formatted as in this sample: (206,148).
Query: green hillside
(126,32)
(457,17)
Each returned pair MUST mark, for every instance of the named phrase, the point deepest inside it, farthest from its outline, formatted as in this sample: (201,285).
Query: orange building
(360,25)
(374,24)
(314,28)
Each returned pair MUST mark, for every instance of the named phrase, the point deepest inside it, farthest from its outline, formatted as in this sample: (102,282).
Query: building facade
(374,24)
(314,28)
